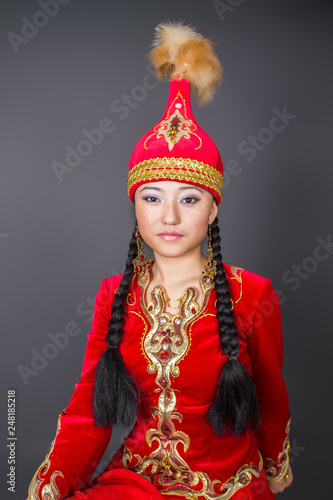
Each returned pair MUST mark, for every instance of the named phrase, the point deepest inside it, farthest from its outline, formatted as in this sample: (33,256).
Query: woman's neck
(175,273)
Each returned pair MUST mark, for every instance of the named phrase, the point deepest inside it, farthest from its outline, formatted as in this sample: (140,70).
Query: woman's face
(173,217)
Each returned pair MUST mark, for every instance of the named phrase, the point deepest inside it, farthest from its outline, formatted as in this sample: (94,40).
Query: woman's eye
(151,199)
(190,200)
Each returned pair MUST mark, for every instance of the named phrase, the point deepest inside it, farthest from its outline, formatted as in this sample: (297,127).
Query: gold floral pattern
(176,125)
(49,491)
(242,478)
(164,346)
(275,472)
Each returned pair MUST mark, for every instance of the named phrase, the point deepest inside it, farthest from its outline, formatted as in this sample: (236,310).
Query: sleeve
(79,444)
(265,347)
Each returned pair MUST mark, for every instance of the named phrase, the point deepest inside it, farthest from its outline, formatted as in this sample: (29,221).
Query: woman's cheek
(147,220)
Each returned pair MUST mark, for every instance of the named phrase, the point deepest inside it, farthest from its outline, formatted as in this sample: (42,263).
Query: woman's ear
(213,212)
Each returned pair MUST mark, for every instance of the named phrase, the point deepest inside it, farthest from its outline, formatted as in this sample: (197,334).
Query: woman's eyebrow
(190,187)
(151,187)
(179,189)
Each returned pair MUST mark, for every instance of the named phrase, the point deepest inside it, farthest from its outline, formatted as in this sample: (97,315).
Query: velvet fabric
(79,444)
(177,135)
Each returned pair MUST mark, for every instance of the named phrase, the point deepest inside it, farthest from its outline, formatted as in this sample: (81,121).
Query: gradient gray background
(59,240)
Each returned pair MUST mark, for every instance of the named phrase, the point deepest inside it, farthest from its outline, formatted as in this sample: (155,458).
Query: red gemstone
(166,341)
(164,354)
(142,257)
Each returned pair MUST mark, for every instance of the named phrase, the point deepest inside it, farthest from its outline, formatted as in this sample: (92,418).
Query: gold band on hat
(177,169)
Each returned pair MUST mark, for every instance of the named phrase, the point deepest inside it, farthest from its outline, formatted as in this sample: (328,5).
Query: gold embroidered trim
(49,491)
(241,479)
(276,472)
(144,331)
(165,463)
(237,277)
(178,169)
(131,298)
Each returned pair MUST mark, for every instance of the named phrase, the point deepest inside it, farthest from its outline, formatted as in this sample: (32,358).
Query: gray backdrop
(65,73)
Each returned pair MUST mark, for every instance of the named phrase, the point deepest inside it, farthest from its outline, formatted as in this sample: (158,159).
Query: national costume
(176,360)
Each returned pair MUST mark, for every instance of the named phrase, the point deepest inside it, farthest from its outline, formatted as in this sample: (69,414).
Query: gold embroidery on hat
(175,126)
(178,169)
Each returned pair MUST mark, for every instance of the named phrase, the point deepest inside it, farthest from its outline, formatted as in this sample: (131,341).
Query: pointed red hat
(177,148)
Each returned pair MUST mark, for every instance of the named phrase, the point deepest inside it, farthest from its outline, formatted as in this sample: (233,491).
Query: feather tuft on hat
(179,51)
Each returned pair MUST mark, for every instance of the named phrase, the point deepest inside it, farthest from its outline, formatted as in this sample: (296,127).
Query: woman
(185,347)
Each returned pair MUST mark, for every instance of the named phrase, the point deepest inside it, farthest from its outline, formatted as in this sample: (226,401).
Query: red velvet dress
(176,360)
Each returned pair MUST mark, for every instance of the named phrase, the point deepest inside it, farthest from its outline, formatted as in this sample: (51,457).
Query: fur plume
(181,52)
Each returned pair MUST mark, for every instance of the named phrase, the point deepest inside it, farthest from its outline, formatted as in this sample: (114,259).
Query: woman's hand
(279,486)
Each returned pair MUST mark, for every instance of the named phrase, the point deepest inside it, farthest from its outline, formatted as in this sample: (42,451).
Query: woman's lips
(170,236)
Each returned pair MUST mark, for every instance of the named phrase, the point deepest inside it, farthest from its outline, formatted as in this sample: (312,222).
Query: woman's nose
(170,213)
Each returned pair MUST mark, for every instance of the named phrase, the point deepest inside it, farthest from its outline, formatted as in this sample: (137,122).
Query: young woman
(185,348)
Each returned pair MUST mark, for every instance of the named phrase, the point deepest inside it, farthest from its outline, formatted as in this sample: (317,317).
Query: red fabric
(119,484)
(122,484)
(79,444)
(195,144)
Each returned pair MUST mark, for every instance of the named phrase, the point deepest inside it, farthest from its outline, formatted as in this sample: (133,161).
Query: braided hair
(116,393)
(115,398)
(236,407)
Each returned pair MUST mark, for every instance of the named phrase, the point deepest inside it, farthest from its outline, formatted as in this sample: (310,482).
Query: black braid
(115,397)
(236,407)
